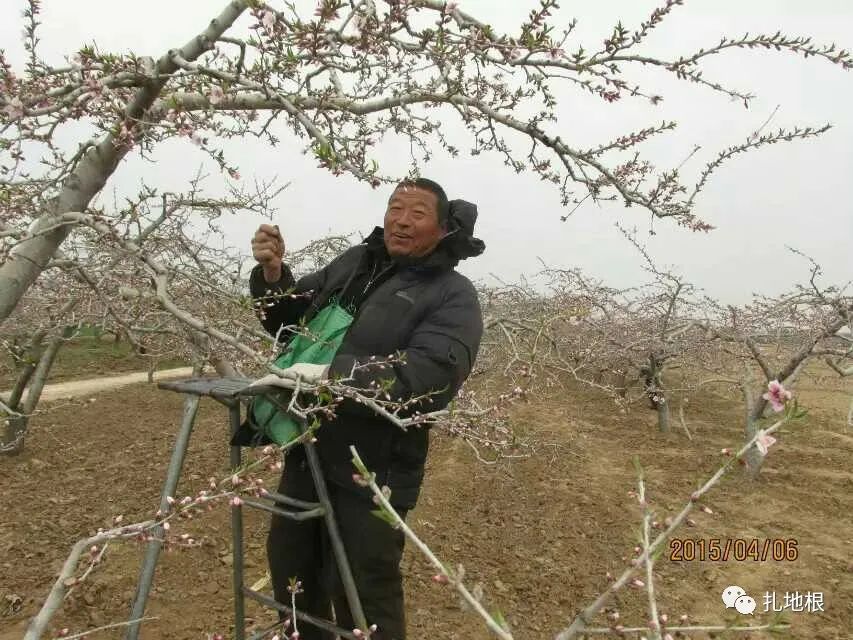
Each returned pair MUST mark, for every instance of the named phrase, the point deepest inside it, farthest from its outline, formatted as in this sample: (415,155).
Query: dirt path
(76,388)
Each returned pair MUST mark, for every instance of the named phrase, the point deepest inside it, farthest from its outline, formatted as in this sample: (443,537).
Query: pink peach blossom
(764,442)
(777,395)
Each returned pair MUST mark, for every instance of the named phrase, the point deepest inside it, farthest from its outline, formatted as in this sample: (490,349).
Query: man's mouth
(401,236)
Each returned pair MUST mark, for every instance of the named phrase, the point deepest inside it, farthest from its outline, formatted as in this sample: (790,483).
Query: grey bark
(663,411)
(16,426)
(32,355)
(752,457)
(29,258)
(43,369)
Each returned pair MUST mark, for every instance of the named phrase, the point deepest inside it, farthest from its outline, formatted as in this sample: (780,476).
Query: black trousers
(301,550)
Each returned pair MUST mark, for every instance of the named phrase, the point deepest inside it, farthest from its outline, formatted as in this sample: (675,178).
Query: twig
(57,593)
(654,621)
(110,626)
(773,626)
(579,624)
(683,421)
(369,479)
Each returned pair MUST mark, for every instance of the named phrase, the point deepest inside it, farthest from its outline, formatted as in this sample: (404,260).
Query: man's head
(416,218)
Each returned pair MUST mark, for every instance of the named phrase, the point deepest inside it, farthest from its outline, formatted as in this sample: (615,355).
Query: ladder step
(319,512)
(304,617)
(262,634)
(293,502)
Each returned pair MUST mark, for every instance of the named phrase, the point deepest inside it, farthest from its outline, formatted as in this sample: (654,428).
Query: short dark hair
(442,203)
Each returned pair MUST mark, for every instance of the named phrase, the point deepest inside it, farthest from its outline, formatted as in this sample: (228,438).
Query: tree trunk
(43,369)
(12,441)
(28,259)
(32,355)
(663,411)
(755,406)
(622,384)
(753,457)
(16,426)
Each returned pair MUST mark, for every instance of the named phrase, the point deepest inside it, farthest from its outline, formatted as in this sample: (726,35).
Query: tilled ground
(540,534)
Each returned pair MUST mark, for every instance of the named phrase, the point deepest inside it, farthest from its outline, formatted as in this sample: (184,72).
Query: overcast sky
(796,194)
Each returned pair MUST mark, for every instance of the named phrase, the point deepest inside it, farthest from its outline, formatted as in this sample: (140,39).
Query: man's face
(411,223)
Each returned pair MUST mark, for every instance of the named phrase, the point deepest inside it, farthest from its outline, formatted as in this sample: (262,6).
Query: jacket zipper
(364,299)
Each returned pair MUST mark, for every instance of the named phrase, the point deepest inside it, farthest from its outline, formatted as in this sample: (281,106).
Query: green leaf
(384,515)
(498,617)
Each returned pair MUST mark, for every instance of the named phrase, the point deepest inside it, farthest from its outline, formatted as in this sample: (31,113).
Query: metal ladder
(230,392)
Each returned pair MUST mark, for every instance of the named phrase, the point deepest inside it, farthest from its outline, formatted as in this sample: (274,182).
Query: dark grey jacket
(427,311)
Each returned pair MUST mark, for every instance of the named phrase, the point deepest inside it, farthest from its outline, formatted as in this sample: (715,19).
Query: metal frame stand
(230,392)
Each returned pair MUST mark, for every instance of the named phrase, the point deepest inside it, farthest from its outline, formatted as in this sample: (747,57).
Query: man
(404,294)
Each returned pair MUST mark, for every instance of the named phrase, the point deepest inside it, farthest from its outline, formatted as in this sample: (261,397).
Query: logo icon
(731,594)
(735,597)
(745,605)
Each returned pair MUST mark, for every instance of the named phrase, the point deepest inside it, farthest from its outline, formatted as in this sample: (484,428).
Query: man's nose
(405,218)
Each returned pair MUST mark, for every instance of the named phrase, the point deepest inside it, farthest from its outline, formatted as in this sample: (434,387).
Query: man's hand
(268,250)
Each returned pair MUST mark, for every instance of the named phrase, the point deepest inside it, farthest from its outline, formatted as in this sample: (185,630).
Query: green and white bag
(316,344)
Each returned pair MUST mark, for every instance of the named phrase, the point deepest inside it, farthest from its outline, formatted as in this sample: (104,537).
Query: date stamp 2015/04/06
(738,549)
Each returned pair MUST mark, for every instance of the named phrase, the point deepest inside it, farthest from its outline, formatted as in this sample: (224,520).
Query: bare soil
(540,534)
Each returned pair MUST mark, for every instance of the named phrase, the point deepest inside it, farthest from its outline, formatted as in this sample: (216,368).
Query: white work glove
(309,373)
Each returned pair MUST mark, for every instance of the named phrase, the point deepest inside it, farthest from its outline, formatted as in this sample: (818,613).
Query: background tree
(341,79)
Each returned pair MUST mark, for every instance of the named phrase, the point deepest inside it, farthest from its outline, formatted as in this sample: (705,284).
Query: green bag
(317,344)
